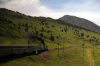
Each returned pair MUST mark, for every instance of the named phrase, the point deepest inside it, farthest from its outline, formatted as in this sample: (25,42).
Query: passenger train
(16,49)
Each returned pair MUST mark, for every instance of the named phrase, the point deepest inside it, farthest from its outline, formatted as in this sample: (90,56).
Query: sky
(88,9)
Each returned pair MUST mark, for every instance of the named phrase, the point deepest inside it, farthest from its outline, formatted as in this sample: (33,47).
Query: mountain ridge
(80,22)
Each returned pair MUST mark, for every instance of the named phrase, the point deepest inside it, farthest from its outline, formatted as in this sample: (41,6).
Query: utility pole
(63,44)
(83,51)
(58,49)
(93,49)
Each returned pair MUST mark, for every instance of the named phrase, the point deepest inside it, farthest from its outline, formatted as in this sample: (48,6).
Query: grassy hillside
(14,27)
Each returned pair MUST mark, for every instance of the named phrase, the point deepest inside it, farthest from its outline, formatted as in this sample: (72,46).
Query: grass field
(71,56)
(96,55)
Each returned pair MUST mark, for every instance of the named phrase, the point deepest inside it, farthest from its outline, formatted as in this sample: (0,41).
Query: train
(17,49)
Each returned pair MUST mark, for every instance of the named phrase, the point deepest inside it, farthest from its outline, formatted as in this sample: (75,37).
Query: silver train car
(17,49)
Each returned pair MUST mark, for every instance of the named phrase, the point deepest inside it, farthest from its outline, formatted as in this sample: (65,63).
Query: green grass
(96,55)
(70,57)
(26,61)
(75,57)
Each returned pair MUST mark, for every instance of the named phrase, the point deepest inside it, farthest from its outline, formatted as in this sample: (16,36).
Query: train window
(2,47)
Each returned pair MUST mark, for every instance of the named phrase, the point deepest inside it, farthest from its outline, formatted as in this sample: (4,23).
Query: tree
(41,34)
(26,29)
(14,25)
(37,32)
(35,28)
(57,37)
(52,25)
(82,34)
(61,30)
(65,29)
(49,31)
(26,25)
(52,38)
(42,29)
(87,36)
(47,26)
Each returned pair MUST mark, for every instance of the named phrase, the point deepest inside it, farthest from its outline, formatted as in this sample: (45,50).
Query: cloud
(88,9)
(85,6)
(30,7)
(22,5)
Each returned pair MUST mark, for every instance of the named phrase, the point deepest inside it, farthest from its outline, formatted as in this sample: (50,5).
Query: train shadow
(12,57)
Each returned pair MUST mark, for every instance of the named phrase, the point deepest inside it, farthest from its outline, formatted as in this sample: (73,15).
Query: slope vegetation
(14,27)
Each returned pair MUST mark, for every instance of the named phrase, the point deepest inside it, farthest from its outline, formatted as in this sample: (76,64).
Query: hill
(81,22)
(14,26)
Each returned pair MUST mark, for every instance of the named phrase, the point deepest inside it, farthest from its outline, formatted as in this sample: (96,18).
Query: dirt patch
(45,57)
(90,58)
(24,61)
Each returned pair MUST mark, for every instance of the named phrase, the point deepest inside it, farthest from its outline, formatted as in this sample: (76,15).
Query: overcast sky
(88,9)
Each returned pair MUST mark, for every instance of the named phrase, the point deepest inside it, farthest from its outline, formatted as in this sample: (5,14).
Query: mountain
(80,22)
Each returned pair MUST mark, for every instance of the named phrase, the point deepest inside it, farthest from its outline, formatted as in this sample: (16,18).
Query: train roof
(16,45)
